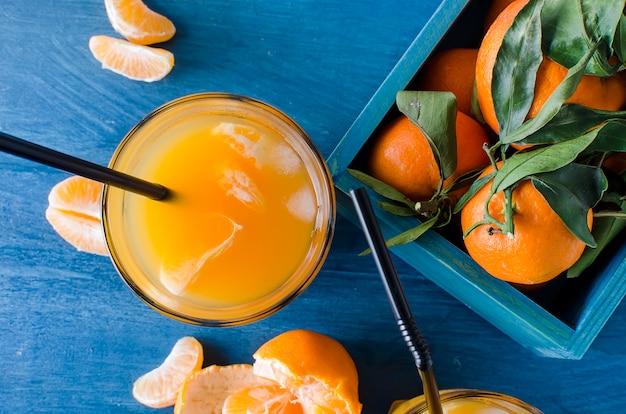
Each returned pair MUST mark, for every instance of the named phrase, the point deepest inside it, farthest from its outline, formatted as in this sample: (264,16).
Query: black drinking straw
(65,162)
(397,299)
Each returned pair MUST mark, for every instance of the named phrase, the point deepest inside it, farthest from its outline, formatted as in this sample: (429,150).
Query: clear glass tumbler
(255,131)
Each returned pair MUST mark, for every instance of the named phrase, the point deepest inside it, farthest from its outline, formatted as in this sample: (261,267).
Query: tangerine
(131,60)
(541,247)
(161,386)
(593,91)
(261,400)
(495,8)
(401,156)
(137,23)
(314,367)
(205,391)
(451,70)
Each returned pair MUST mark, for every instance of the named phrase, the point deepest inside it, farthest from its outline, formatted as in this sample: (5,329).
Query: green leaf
(434,113)
(413,233)
(515,68)
(605,229)
(619,43)
(397,209)
(570,27)
(544,159)
(379,187)
(571,121)
(471,192)
(611,137)
(554,103)
(571,191)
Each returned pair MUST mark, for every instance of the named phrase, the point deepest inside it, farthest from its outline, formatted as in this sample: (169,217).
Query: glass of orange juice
(467,401)
(248,220)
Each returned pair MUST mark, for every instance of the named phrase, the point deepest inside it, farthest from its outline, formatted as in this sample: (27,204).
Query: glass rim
(414,405)
(320,245)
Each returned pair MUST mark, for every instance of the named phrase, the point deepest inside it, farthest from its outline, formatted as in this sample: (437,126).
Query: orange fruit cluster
(296,372)
(541,246)
(140,26)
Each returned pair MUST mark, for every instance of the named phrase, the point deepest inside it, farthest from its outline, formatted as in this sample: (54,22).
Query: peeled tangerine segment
(137,23)
(205,391)
(250,143)
(217,233)
(74,213)
(262,399)
(137,62)
(238,184)
(160,387)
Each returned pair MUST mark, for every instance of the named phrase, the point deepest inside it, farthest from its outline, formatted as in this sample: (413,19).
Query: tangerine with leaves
(402,157)
(593,91)
(451,70)
(541,246)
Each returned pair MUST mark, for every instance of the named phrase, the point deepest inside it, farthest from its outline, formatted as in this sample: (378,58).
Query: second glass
(467,401)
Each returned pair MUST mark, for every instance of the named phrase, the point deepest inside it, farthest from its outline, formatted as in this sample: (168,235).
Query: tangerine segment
(134,61)
(541,248)
(316,368)
(263,399)
(205,391)
(74,213)
(161,386)
(137,23)
(182,266)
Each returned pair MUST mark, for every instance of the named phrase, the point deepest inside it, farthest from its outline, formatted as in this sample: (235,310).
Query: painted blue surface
(73,337)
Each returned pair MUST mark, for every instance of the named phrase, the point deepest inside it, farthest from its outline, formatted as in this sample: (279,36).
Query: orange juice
(248,220)
(465,401)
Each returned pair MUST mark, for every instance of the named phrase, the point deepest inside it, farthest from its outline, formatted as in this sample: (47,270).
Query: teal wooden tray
(560,320)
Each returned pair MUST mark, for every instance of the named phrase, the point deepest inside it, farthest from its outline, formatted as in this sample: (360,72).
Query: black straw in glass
(397,298)
(65,162)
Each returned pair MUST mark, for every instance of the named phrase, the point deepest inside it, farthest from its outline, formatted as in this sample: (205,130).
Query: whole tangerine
(401,156)
(593,91)
(451,70)
(541,247)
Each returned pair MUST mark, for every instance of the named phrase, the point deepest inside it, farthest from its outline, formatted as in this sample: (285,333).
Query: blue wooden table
(73,338)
